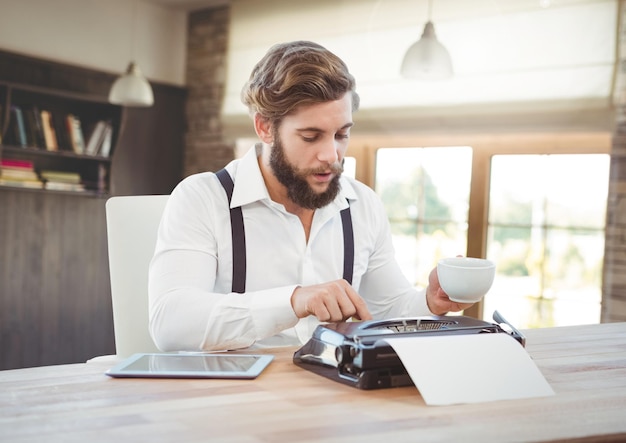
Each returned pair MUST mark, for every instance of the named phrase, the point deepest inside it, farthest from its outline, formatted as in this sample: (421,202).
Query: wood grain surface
(586,366)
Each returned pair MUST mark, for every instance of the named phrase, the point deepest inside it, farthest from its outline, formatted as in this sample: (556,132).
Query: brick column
(207,48)
(614,278)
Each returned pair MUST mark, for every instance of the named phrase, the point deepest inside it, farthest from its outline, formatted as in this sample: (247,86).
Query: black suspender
(239,238)
(348,244)
(238,233)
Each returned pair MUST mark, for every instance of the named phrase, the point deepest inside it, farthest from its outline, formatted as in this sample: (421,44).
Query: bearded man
(261,252)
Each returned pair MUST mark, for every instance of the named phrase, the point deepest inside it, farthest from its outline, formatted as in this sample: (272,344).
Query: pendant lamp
(427,59)
(132,88)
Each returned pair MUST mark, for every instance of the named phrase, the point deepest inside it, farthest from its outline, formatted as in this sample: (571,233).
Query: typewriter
(355,353)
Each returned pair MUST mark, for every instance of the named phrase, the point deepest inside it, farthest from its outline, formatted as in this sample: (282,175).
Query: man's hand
(438,301)
(330,302)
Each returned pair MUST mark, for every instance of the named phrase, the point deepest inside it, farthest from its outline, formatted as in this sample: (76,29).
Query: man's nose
(329,152)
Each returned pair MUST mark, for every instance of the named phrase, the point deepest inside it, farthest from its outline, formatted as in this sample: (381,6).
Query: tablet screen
(192,366)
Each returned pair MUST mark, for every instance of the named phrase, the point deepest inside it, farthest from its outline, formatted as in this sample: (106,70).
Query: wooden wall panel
(149,155)
(56,304)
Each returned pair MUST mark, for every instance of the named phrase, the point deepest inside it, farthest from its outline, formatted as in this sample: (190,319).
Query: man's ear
(263,129)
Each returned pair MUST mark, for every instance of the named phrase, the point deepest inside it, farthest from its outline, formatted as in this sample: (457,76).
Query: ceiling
(508,55)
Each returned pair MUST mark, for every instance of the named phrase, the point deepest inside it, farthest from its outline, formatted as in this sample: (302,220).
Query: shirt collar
(250,186)
(249,183)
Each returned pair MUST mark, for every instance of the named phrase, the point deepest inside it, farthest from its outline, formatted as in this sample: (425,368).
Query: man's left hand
(438,301)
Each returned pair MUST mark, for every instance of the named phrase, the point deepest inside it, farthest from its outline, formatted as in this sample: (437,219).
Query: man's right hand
(330,302)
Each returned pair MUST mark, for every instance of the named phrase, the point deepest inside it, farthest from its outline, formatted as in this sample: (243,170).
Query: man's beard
(298,189)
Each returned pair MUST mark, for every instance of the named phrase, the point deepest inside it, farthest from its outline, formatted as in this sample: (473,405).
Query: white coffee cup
(465,279)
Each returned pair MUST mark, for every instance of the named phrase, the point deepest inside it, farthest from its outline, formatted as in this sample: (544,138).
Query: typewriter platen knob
(344,354)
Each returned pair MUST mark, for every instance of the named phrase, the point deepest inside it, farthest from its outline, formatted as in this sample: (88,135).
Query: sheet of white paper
(470,368)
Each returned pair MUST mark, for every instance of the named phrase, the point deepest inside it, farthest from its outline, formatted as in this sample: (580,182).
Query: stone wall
(614,283)
(207,46)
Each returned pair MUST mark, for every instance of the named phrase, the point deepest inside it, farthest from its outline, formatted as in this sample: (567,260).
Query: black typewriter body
(355,353)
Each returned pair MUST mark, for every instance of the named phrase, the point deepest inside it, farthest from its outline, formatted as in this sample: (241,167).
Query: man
(293,200)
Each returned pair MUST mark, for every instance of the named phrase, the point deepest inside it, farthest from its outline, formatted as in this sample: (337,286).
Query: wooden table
(586,366)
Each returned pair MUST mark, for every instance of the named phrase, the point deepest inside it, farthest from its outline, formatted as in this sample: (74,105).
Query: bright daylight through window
(545,227)
(546,235)
(426,196)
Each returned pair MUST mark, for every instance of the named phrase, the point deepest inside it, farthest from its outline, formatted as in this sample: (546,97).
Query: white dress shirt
(191,303)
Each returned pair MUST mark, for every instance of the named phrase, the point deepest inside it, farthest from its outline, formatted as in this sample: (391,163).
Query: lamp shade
(131,89)
(427,59)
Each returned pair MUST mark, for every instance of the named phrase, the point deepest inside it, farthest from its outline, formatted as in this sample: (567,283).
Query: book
(95,138)
(62,181)
(48,131)
(105,145)
(60,176)
(61,186)
(15,163)
(76,133)
(34,131)
(60,129)
(34,184)
(18,173)
(18,126)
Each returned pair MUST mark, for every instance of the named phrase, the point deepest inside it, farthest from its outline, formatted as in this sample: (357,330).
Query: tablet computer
(245,366)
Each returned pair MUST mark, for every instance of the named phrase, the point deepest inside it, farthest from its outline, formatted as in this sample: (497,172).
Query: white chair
(132,223)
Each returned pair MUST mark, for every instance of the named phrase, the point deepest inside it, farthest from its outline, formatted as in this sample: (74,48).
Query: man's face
(308,151)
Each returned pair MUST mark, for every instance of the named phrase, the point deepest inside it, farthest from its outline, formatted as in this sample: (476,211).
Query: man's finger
(362,313)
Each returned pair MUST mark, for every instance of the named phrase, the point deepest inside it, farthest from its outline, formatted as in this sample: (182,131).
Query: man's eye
(309,139)
(342,136)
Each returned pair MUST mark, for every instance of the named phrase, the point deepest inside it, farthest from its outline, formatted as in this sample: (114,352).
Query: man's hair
(296,74)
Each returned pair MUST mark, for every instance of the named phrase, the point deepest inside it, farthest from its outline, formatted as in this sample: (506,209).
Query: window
(426,195)
(546,235)
(536,205)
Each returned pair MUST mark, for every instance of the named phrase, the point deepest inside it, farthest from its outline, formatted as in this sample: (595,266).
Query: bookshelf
(66,138)
(55,292)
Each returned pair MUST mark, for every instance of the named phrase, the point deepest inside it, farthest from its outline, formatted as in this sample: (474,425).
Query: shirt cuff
(272,311)
(421,306)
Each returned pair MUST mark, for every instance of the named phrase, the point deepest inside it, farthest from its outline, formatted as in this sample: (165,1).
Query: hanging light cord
(133,35)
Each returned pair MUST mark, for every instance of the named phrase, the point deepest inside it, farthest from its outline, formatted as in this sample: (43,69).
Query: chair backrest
(132,223)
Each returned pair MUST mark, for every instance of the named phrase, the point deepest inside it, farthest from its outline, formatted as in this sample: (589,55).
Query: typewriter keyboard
(417,325)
